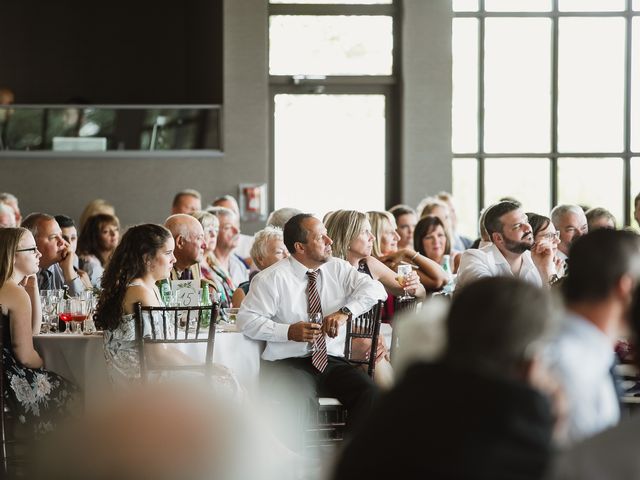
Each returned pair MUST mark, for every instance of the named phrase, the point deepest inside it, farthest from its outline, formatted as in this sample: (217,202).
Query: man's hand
(66,262)
(303,331)
(331,323)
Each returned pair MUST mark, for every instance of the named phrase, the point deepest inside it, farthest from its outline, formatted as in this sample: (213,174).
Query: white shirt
(278,298)
(245,242)
(581,356)
(488,261)
(238,271)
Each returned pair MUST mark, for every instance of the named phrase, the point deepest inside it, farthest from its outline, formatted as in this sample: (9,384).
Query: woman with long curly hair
(144,256)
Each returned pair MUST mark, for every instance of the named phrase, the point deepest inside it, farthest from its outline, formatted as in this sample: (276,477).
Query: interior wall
(426,120)
(142,188)
(117,52)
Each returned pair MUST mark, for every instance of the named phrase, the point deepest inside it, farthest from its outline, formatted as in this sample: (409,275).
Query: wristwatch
(346,311)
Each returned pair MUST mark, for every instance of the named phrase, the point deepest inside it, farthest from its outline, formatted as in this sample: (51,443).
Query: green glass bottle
(205,301)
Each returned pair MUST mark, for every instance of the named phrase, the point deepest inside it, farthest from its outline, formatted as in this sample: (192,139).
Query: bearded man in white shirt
(277,309)
(512,251)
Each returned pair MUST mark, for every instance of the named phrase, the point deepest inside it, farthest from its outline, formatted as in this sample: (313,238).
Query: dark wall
(138,51)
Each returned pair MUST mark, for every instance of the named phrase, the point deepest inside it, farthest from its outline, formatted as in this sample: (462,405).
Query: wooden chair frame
(175,315)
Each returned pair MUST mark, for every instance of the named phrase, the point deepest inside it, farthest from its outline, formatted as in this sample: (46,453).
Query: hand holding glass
(404,270)
(314,318)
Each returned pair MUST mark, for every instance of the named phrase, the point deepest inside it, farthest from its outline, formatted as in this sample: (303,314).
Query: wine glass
(49,300)
(404,270)
(314,318)
(73,312)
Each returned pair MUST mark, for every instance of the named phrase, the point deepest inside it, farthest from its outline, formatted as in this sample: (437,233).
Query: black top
(442,422)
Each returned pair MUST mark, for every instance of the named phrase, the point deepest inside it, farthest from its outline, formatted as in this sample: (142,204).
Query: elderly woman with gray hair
(268,248)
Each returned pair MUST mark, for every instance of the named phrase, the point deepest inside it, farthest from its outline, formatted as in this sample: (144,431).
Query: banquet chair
(405,305)
(15,439)
(326,427)
(175,326)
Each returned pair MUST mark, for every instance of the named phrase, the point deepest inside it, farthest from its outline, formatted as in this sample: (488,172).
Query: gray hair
(221,212)
(7,210)
(8,197)
(596,213)
(261,239)
(279,217)
(206,219)
(560,211)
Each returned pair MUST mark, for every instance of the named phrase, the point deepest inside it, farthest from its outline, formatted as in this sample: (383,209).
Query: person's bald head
(189,237)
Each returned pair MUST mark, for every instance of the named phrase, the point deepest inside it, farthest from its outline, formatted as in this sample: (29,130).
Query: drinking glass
(73,312)
(404,270)
(49,301)
(314,318)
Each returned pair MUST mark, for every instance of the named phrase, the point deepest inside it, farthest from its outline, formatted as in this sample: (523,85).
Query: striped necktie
(319,359)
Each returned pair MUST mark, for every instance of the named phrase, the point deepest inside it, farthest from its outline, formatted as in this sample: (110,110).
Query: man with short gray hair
(11,200)
(571,222)
(7,216)
(279,217)
(228,235)
(190,245)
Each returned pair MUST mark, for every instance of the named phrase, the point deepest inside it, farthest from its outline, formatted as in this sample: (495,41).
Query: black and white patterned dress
(38,398)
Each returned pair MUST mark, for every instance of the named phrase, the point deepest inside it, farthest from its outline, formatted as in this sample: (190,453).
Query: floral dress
(38,398)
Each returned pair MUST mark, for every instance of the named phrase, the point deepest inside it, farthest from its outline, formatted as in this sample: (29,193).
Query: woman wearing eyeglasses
(38,398)
(543,229)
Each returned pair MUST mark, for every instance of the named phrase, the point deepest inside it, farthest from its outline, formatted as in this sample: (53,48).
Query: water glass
(314,318)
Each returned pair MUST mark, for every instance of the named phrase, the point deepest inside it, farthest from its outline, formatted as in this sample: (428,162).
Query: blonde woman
(385,249)
(39,399)
(353,241)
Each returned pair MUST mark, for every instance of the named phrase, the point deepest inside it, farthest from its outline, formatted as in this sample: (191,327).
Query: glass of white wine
(404,270)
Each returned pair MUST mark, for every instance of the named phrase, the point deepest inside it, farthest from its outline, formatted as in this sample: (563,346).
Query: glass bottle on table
(205,301)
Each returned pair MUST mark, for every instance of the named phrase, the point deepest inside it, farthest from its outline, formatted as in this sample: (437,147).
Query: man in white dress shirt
(612,454)
(571,222)
(605,268)
(512,251)
(277,308)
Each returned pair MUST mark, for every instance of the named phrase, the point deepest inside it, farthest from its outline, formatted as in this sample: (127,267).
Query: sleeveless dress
(123,362)
(39,399)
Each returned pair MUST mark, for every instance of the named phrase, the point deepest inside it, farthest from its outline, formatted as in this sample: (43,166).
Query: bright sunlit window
(545,106)
(332,82)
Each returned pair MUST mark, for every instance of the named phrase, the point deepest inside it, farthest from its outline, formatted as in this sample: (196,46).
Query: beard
(520,246)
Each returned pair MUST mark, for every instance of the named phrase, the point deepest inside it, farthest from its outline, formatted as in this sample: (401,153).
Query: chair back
(406,305)
(175,326)
(367,326)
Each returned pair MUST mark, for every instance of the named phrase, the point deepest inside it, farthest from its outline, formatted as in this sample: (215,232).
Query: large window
(546,104)
(333,79)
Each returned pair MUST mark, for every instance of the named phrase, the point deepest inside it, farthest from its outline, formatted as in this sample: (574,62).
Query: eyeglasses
(32,250)
(552,236)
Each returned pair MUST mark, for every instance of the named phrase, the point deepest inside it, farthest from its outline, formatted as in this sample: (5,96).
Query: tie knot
(313,275)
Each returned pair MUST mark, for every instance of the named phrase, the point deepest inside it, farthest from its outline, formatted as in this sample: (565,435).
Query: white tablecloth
(80,358)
